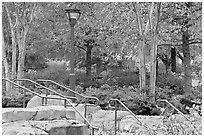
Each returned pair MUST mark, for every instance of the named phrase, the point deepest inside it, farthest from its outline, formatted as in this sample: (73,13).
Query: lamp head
(73,14)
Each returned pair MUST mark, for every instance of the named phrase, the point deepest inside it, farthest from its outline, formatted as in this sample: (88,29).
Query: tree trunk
(21,58)
(157,65)
(99,66)
(142,69)
(173,59)
(154,56)
(6,70)
(14,54)
(88,61)
(166,61)
(186,62)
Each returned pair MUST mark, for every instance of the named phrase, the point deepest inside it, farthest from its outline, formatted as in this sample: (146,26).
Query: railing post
(85,109)
(65,103)
(24,96)
(92,131)
(42,101)
(116,105)
(46,93)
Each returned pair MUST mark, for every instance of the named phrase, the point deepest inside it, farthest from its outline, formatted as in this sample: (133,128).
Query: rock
(55,127)
(79,129)
(90,111)
(105,119)
(179,118)
(37,101)
(37,113)
(129,124)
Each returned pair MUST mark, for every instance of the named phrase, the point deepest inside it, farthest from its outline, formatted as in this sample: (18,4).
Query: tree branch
(82,48)
(195,42)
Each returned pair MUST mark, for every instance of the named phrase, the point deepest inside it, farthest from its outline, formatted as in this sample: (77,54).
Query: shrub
(130,96)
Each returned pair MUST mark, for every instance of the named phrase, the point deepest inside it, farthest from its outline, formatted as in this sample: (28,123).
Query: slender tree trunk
(22,53)
(5,66)
(157,65)
(154,56)
(173,59)
(99,66)
(142,68)
(186,62)
(88,60)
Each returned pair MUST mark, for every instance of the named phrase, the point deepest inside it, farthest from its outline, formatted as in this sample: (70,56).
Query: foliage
(14,100)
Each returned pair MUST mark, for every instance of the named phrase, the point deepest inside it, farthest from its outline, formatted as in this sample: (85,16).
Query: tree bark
(88,60)
(142,68)
(166,61)
(5,66)
(186,61)
(14,45)
(154,56)
(173,59)
(99,66)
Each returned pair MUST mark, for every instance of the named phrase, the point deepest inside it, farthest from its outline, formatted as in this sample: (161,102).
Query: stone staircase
(42,120)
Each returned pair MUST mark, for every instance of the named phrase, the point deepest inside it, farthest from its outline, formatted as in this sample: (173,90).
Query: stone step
(37,113)
(54,127)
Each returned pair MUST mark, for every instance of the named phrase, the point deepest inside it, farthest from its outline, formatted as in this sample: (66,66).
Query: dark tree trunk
(88,61)
(186,61)
(173,59)
(99,66)
(157,65)
(166,61)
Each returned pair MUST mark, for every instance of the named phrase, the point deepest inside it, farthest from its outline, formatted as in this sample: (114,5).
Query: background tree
(19,18)
(154,52)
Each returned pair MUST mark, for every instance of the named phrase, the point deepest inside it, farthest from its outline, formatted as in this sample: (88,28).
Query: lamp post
(72,15)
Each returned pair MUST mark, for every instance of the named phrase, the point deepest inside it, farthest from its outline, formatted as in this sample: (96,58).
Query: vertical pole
(42,101)
(92,131)
(116,116)
(46,93)
(85,110)
(24,96)
(65,103)
(72,74)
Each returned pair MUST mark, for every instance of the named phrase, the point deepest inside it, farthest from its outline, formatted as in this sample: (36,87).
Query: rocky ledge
(42,120)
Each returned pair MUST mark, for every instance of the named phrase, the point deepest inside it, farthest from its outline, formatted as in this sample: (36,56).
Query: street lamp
(73,15)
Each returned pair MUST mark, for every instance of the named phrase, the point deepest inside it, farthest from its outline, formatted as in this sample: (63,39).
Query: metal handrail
(83,96)
(53,82)
(22,88)
(47,89)
(61,98)
(164,100)
(117,100)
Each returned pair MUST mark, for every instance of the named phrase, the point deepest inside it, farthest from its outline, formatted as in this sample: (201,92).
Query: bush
(55,73)
(130,96)
(14,100)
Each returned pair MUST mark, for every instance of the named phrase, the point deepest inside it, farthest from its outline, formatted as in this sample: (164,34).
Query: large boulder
(137,126)
(105,119)
(89,112)
(55,127)
(36,101)
(37,113)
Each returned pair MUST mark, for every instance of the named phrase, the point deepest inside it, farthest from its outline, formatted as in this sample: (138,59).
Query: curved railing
(53,82)
(70,90)
(61,98)
(47,89)
(164,100)
(116,107)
